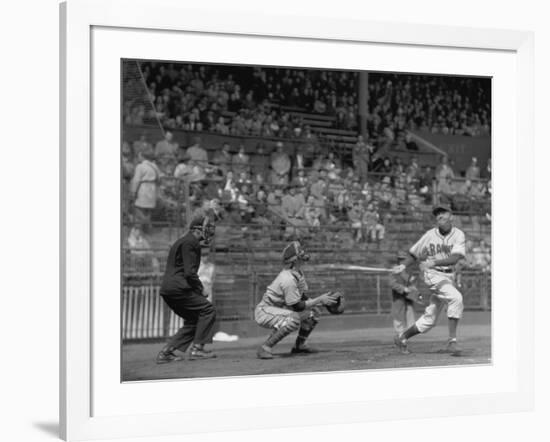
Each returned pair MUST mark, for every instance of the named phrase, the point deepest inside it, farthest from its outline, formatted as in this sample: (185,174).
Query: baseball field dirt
(359,349)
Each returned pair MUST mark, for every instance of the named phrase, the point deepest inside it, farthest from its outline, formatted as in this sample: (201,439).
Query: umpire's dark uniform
(182,290)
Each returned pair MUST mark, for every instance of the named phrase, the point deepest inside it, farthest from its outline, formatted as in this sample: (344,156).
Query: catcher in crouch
(285,308)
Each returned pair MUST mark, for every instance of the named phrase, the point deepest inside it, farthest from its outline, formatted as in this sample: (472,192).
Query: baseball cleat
(201,353)
(264,353)
(401,345)
(165,357)
(303,349)
(452,348)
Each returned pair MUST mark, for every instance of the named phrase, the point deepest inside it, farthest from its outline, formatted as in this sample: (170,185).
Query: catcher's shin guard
(306,327)
(289,325)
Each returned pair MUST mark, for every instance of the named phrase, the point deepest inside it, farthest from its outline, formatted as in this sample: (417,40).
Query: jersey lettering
(436,246)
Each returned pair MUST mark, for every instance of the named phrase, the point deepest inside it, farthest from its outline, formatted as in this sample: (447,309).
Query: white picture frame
(83,365)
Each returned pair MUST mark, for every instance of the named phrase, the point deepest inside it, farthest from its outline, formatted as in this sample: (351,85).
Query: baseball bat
(352,267)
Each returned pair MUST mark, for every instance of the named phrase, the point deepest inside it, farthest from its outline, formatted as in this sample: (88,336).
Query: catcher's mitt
(339,306)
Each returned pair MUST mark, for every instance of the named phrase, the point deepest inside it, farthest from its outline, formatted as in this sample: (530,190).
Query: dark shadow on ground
(51,428)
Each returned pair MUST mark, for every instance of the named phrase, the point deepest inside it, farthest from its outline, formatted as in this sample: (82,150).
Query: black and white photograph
(281,220)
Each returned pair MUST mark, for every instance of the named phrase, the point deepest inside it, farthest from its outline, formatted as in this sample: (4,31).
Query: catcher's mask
(204,225)
(294,252)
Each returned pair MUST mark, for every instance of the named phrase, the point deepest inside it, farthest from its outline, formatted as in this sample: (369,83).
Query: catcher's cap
(441,208)
(293,251)
(402,254)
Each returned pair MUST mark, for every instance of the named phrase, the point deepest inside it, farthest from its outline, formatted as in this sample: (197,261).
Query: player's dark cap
(199,221)
(294,251)
(401,255)
(441,208)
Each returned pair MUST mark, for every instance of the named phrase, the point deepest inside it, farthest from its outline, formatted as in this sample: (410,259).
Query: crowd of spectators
(247,101)
(274,187)
(437,104)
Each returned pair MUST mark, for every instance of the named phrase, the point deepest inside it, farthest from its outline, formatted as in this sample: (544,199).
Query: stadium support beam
(363,102)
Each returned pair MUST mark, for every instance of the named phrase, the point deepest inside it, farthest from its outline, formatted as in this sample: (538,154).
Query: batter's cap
(402,254)
(441,208)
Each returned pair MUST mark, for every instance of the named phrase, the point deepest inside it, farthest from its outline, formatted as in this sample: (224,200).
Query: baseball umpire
(285,307)
(183,292)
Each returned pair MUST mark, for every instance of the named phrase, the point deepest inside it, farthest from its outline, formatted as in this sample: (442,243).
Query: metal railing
(146,316)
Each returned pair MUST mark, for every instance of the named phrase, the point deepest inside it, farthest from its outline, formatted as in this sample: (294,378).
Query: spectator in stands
(293,203)
(462,198)
(384,168)
(310,145)
(145,188)
(246,210)
(312,213)
(444,172)
(366,192)
(221,127)
(259,162)
(280,166)
(166,151)
(183,170)
(361,157)
(223,159)
(230,188)
(425,184)
(398,168)
(413,170)
(383,193)
(374,230)
(274,202)
(240,161)
(141,144)
(473,172)
(355,216)
(478,190)
(259,203)
(197,154)
(319,188)
(482,256)
(243,179)
(331,163)
(128,168)
(300,180)
(488,169)
(446,191)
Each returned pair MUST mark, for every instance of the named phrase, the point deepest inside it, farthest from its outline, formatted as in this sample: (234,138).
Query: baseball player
(183,292)
(285,308)
(403,289)
(438,251)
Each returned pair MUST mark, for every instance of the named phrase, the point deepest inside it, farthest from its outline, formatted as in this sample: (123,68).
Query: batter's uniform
(183,292)
(402,309)
(440,279)
(275,309)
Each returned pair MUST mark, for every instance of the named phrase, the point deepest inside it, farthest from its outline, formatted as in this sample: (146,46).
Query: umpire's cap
(200,220)
(441,208)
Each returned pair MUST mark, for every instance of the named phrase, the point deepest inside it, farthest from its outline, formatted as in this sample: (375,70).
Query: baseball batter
(285,307)
(438,251)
